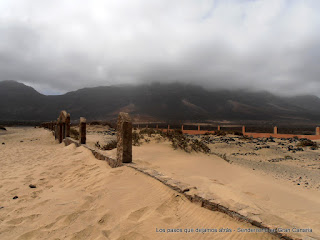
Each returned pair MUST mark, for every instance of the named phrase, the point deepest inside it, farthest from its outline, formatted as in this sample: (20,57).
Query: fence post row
(124,138)
(243,130)
(275,130)
(83,130)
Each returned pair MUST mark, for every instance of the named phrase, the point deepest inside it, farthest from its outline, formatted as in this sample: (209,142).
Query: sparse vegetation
(308,143)
(102,123)
(245,138)
(177,138)
(148,131)
(220,133)
(111,145)
(237,133)
(74,133)
(136,138)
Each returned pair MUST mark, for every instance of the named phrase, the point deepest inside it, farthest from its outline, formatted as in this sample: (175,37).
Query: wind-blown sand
(80,197)
(253,193)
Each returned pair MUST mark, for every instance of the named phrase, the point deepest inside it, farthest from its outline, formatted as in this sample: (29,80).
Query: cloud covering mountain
(58,46)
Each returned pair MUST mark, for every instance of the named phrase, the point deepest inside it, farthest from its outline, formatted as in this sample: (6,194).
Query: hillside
(154,102)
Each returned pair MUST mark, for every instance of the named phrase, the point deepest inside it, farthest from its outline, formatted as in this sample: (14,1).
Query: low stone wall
(266,135)
(112,162)
(191,132)
(250,134)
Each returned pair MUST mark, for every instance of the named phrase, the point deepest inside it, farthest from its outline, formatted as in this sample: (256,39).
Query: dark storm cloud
(58,46)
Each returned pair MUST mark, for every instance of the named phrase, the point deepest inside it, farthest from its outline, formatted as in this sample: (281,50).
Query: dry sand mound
(252,193)
(79,197)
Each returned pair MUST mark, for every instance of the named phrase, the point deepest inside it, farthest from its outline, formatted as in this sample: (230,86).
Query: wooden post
(56,131)
(124,138)
(275,130)
(317,130)
(60,132)
(198,127)
(64,130)
(68,125)
(243,130)
(219,128)
(83,130)
(181,127)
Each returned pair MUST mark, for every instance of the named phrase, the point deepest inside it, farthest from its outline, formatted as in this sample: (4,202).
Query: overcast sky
(62,45)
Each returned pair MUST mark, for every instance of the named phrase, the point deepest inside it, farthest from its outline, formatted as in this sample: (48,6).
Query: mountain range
(155,102)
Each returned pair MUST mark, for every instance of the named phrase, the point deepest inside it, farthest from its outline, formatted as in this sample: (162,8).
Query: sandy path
(79,197)
(250,192)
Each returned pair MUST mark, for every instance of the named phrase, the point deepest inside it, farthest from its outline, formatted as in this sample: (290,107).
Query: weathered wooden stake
(55,131)
(317,130)
(198,127)
(124,137)
(181,127)
(275,130)
(60,133)
(83,130)
(243,130)
(68,125)
(219,128)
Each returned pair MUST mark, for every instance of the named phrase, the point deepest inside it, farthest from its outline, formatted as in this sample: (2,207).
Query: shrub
(74,133)
(102,123)
(111,145)
(136,139)
(307,143)
(237,133)
(176,137)
(148,131)
(220,133)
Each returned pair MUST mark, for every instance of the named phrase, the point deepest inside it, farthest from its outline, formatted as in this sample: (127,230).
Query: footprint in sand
(83,234)
(22,219)
(106,233)
(216,181)
(116,172)
(73,217)
(105,219)
(137,215)
(133,235)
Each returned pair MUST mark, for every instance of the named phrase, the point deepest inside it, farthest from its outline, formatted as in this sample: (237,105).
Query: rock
(1,207)
(15,197)
(3,143)
(32,186)
(21,141)
(298,183)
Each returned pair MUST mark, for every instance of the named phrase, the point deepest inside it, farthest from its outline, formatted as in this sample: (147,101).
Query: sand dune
(79,197)
(253,193)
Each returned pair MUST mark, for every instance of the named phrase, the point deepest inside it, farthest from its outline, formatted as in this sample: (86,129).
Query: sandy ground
(80,197)
(253,193)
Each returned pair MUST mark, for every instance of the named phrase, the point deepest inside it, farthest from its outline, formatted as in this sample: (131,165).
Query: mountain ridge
(154,102)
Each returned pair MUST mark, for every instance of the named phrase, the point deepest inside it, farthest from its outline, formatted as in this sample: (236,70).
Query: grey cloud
(260,45)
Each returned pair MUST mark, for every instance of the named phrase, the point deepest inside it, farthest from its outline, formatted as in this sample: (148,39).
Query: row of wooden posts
(61,130)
